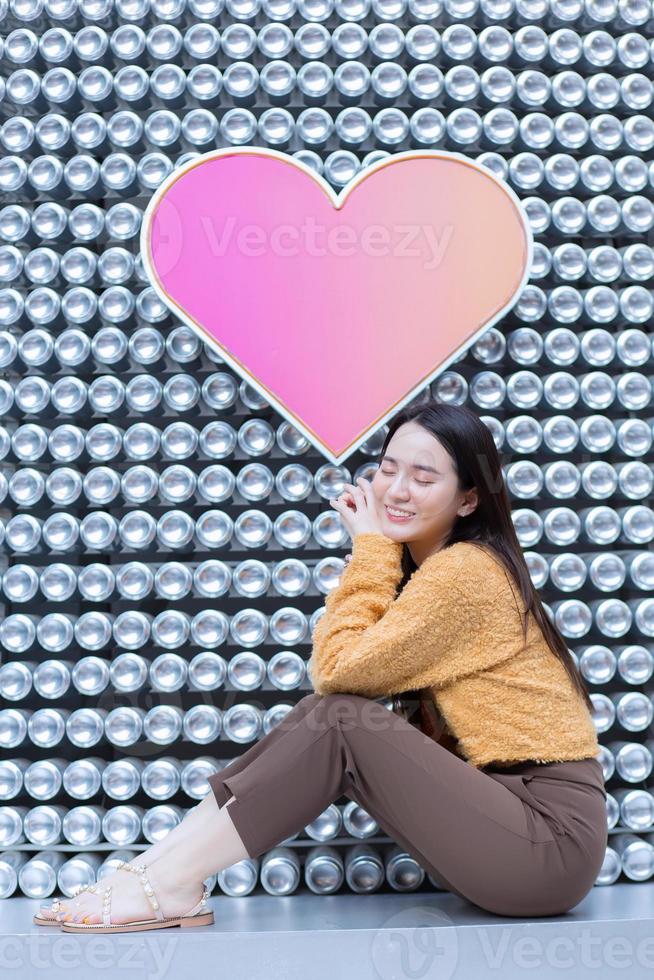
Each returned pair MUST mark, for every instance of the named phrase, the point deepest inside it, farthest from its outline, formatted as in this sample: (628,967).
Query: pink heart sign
(337,308)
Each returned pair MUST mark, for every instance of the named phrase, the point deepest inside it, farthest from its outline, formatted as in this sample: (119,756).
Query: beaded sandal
(50,920)
(45,920)
(199,915)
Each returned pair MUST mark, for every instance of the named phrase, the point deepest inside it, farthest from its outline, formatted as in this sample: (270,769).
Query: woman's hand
(358,508)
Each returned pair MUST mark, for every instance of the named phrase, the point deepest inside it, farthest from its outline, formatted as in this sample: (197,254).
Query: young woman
(436,604)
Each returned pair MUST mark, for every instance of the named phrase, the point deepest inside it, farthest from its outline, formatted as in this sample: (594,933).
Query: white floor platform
(389,936)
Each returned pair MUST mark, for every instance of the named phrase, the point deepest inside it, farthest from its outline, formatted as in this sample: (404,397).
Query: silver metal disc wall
(166,540)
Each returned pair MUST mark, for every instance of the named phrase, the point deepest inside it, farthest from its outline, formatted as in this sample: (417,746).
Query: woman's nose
(398,489)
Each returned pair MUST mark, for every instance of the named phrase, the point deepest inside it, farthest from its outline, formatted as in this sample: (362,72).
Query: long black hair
(478,465)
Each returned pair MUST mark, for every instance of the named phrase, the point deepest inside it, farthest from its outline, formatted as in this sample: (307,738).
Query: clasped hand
(358,508)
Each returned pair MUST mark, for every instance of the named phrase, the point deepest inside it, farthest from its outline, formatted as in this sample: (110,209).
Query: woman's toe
(88,910)
(65,912)
(89,917)
(76,912)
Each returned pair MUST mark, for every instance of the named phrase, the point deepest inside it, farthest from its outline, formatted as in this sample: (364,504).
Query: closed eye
(423,483)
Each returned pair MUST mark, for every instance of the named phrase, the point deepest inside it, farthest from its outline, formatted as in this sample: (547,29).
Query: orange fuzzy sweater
(456,629)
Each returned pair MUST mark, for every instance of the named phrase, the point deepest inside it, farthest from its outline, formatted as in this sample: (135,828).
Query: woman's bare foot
(147,857)
(129,901)
(205,841)
(48,912)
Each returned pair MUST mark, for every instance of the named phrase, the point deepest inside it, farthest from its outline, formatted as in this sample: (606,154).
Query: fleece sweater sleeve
(369,642)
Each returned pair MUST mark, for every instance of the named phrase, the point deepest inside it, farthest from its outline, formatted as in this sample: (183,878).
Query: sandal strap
(82,888)
(202,904)
(124,866)
(141,871)
(106,906)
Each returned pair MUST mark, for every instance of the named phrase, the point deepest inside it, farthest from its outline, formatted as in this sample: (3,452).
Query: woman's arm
(369,642)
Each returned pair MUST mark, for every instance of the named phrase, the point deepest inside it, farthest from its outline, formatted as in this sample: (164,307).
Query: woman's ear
(472,499)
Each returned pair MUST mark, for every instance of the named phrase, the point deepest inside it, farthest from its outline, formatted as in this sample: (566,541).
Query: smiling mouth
(399,515)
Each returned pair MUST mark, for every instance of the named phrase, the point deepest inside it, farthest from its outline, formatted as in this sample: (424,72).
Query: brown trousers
(528,840)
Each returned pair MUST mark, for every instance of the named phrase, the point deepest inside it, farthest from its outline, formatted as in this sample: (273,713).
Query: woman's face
(416,475)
